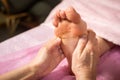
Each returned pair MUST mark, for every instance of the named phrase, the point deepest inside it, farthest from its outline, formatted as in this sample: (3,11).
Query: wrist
(36,70)
(39,69)
(84,75)
(33,69)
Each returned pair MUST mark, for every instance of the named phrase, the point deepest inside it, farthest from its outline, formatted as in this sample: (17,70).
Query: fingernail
(58,39)
(61,51)
(84,36)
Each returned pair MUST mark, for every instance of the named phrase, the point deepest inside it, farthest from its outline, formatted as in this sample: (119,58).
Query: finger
(57,42)
(89,46)
(56,19)
(61,52)
(91,60)
(62,56)
(81,44)
(62,14)
(93,63)
(54,43)
(94,44)
(60,49)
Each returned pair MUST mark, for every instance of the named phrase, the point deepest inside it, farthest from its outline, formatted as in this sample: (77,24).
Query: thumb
(54,43)
(81,44)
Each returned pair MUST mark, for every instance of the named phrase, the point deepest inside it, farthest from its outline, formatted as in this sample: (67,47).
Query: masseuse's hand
(48,57)
(84,58)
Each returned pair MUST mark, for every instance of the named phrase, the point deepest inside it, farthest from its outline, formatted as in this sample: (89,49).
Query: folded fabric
(15,60)
(108,67)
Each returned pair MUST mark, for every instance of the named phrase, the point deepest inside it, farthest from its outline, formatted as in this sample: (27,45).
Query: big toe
(72,15)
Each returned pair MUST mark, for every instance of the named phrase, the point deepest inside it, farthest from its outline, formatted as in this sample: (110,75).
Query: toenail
(84,36)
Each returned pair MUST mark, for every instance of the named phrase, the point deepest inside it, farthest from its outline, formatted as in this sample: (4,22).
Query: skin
(81,58)
(46,60)
(84,58)
(50,55)
(70,27)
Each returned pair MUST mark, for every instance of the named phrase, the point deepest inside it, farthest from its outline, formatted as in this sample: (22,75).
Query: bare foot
(69,27)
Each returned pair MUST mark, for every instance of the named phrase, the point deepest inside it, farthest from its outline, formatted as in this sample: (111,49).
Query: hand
(84,58)
(49,56)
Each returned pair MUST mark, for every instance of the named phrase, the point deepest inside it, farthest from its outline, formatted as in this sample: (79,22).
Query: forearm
(85,75)
(23,73)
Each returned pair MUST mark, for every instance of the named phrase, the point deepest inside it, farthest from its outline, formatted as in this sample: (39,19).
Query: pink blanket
(108,67)
(102,16)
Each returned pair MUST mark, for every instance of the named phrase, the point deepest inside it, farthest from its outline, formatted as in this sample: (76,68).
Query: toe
(62,14)
(72,15)
(56,19)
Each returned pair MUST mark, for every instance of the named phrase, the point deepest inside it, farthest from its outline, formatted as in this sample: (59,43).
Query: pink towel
(11,61)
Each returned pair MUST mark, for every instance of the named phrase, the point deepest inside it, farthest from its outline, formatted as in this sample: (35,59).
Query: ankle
(104,45)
